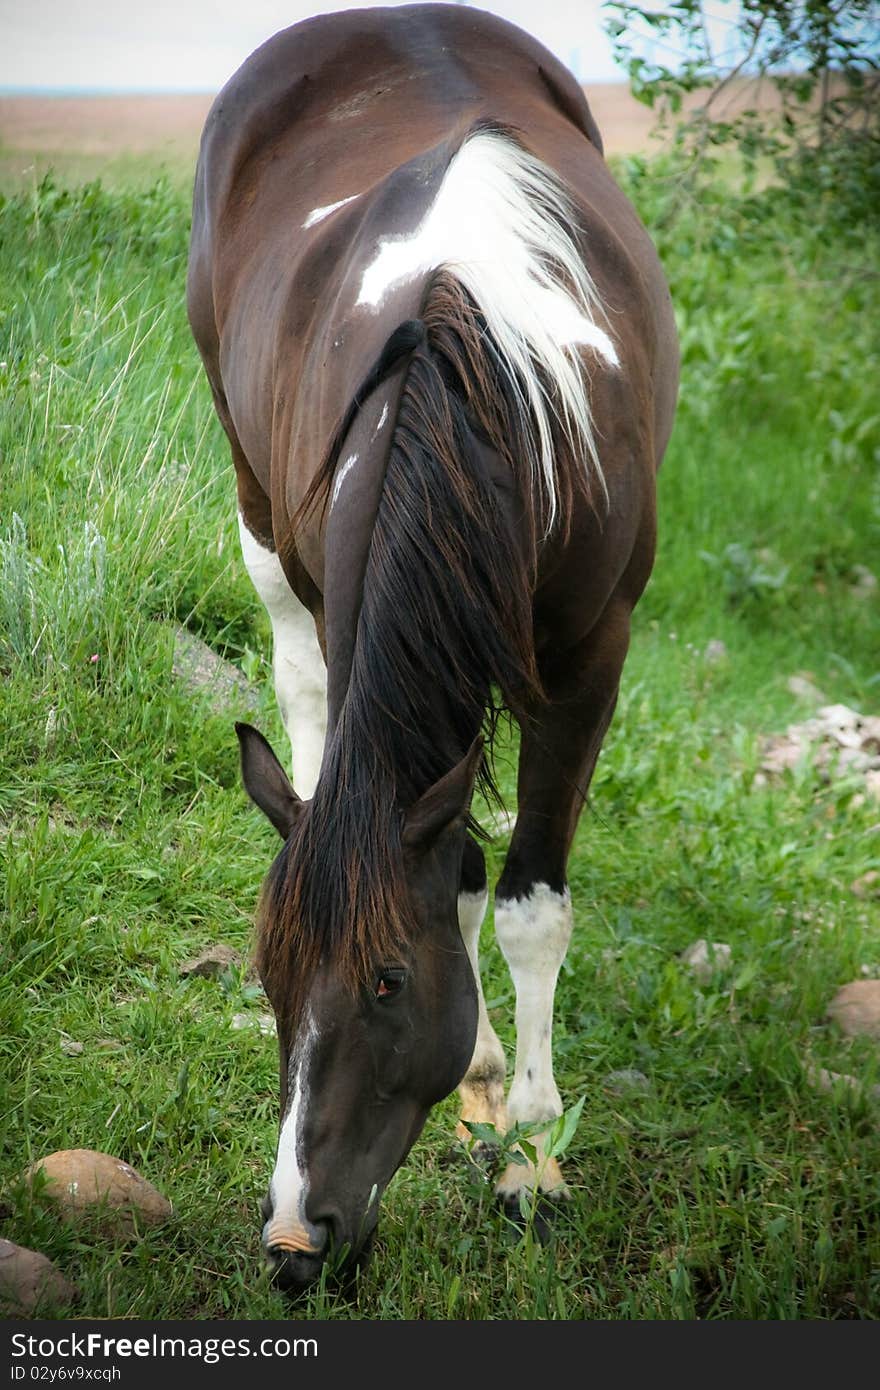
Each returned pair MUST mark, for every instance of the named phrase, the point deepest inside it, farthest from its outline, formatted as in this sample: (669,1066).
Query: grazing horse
(442,348)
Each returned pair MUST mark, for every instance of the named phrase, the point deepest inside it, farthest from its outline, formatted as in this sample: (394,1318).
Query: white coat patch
(500,224)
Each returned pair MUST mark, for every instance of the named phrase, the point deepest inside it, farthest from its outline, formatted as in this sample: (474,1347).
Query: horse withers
(442,348)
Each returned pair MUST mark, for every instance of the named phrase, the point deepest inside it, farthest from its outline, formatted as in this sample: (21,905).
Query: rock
(837,740)
(81,1181)
(855,1008)
(715,652)
(705,959)
(867,886)
(265,1022)
(830,1081)
(200,670)
(626,1080)
(864,582)
(212,962)
(803,686)
(30,1283)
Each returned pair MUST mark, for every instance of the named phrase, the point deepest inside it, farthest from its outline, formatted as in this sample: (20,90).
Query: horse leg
(297,662)
(533,915)
(482,1090)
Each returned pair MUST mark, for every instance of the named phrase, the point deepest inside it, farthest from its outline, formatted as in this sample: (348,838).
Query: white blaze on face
(288,1228)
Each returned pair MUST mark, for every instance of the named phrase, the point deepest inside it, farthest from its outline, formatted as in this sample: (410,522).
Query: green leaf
(562,1130)
(483,1133)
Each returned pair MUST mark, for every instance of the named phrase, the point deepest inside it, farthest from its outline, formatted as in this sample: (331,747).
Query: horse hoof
(483,1154)
(538,1213)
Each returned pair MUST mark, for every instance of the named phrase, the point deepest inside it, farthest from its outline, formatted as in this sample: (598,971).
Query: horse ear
(266,782)
(444,803)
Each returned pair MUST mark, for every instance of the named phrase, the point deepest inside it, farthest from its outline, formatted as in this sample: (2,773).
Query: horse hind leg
(297,663)
(482,1090)
(533,913)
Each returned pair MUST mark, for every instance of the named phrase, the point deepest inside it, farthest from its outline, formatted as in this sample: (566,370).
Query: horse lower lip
(293,1273)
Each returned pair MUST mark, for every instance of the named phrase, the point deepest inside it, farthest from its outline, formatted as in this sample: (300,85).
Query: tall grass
(726,1187)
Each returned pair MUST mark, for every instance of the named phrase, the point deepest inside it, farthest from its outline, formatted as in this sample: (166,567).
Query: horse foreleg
(297,663)
(482,1090)
(533,914)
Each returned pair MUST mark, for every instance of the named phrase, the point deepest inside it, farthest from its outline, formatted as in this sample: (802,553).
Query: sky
(195,45)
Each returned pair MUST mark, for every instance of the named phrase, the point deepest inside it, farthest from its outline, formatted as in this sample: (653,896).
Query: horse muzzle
(295,1257)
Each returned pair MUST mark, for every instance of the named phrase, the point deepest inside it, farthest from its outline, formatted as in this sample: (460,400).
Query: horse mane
(444,640)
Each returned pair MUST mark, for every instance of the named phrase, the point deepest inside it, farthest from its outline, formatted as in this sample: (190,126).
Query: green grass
(731,1188)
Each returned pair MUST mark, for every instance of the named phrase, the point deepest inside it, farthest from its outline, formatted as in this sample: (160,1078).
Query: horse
(441,345)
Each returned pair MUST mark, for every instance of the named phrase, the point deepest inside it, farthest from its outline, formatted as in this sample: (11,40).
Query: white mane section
(500,224)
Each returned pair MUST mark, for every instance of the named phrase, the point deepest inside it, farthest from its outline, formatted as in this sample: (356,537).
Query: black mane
(444,644)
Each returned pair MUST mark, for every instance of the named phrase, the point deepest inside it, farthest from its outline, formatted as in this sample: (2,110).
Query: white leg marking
(533,934)
(300,674)
(288,1227)
(482,1090)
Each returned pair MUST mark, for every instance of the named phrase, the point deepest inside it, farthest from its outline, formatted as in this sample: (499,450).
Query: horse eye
(389,982)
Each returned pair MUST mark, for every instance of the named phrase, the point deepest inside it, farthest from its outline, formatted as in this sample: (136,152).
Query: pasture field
(724,1185)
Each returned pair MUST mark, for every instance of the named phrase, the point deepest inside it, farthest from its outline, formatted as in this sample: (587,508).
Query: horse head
(369,1041)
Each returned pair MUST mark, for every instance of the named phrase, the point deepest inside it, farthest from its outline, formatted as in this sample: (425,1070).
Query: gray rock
(212,962)
(716,652)
(200,670)
(264,1022)
(626,1081)
(29,1282)
(705,959)
(855,1008)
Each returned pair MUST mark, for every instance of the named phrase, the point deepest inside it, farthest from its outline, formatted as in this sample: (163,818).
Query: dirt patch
(166,129)
(108,125)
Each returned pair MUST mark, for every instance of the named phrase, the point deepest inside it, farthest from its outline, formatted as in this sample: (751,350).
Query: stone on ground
(212,962)
(29,1283)
(705,959)
(83,1182)
(855,1008)
(200,670)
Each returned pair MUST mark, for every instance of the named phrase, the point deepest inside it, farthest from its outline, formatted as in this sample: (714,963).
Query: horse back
(334,138)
